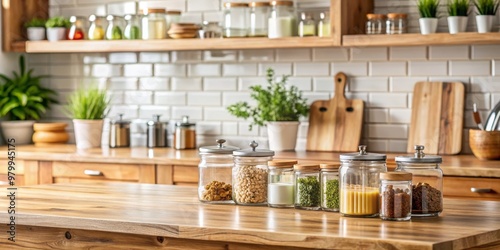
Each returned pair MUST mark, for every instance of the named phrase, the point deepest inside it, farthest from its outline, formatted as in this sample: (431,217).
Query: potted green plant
(35,29)
(486,11)
(87,108)
(56,28)
(22,101)
(428,21)
(458,11)
(279,107)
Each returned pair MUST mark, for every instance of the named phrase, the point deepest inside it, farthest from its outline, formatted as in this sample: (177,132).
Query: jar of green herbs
(330,195)
(307,186)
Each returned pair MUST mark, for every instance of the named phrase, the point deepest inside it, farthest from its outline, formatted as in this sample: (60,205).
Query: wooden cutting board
(437,117)
(335,124)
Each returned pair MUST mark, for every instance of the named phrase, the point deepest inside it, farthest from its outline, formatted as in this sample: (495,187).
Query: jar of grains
(282,21)
(359,183)
(330,195)
(307,187)
(280,189)
(395,196)
(215,180)
(250,175)
(427,181)
(396,23)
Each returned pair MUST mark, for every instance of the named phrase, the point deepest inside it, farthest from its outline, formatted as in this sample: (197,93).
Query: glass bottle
(330,193)
(306,25)
(96,30)
(113,31)
(154,24)
(235,19)
(282,22)
(250,175)
(324,28)
(307,187)
(359,183)
(375,24)
(427,181)
(396,23)
(215,173)
(259,12)
(280,189)
(395,196)
(76,29)
(133,28)
(211,30)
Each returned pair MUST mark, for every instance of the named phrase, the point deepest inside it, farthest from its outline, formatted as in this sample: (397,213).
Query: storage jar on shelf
(282,21)
(215,173)
(154,24)
(396,23)
(132,30)
(172,16)
(96,29)
(324,27)
(359,183)
(427,181)
(250,175)
(185,134)
(307,187)
(235,19)
(330,193)
(395,196)
(280,191)
(114,29)
(306,25)
(76,30)
(375,24)
(259,13)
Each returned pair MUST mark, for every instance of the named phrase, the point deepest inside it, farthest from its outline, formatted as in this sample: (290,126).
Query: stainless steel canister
(119,133)
(185,134)
(156,132)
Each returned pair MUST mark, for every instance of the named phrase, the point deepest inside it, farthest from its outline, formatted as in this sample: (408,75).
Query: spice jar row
(392,23)
(360,187)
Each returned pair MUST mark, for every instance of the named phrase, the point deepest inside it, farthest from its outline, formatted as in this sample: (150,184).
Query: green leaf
(19,113)
(8,107)
(23,98)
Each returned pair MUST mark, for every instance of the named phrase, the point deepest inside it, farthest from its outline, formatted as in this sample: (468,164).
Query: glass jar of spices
(395,196)
(96,30)
(359,183)
(396,23)
(113,31)
(154,24)
(215,173)
(235,19)
(282,21)
(324,28)
(76,30)
(259,12)
(330,194)
(280,189)
(133,28)
(375,24)
(427,181)
(307,187)
(306,25)
(250,175)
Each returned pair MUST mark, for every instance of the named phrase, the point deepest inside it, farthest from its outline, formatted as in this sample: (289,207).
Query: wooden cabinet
(185,175)
(471,187)
(26,172)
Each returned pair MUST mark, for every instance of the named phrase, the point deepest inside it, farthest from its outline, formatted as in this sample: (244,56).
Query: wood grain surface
(335,124)
(144,215)
(437,117)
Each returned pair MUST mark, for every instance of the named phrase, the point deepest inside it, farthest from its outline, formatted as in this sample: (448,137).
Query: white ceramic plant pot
(428,25)
(282,135)
(457,24)
(21,131)
(56,34)
(88,133)
(484,23)
(36,33)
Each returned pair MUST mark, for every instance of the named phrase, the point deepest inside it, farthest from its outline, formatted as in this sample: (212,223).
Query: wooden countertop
(458,165)
(139,215)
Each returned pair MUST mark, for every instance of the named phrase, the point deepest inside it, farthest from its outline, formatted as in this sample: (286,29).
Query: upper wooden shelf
(419,39)
(174,44)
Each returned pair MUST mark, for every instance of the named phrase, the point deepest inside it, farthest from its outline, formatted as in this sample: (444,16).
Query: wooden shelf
(175,44)
(419,39)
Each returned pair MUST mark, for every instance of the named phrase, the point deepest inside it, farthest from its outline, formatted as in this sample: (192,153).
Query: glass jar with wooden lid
(375,23)
(395,196)
(330,193)
(154,24)
(396,23)
(235,19)
(259,13)
(307,186)
(281,185)
(282,20)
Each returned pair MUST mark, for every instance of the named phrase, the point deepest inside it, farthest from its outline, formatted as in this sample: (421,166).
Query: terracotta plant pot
(485,145)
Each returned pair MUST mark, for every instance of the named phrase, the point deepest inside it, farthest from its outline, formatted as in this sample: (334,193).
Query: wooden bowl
(54,126)
(485,145)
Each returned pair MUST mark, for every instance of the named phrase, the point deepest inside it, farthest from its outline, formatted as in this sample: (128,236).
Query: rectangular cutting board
(437,117)
(335,124)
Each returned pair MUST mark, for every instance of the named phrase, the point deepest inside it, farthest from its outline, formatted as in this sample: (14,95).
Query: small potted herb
(279,107)
(486,11)
(428,10)
(35,29)
(458,10)
(56,28)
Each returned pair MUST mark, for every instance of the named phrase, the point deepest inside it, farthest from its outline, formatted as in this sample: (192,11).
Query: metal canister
(156,133)
(119,133)
(185,134)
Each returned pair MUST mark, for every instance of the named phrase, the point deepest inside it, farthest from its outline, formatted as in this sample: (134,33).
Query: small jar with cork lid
(375,24)
(395,196)
(330,193)
(307,187)
(281,183)
(396,23)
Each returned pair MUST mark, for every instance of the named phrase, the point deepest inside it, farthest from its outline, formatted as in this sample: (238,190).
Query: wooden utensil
(335,124)
(437,117)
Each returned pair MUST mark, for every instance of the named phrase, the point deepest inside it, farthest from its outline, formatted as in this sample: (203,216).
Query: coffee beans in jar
(395,196)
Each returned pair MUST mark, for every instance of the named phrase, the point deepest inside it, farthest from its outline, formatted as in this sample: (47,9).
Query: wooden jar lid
(396,176)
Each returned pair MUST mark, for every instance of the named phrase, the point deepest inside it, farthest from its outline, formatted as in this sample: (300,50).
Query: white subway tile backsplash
(495,98)
(424,68)
(218,114)
(204,69)
(191,17)
(293,55)
(485,84)
(202,5)
(170,69)
(490,51)
(168,4)
(386,131)
(40,69)
(398,146)
(123,58)
(115,97)
(240,69)
(138,69)
(203,99)
(408,53)
(386,100)
(388,68)
(229,98)
(311,69)
(400,116)
(208,128)
(122,83)
(465,68)
(378,115)
(246,82)
(121,8)
(154,83)
(106,70)
(350,68)
(482,101)
(220,84)
(229,128)
(147,111)
(65,70)
(323,84)
(330,54)
(213,16)
(243,129)
(186,56)
(64,58)
(377,145)
(220,55)
(194,113)
(33,59)
(94,58)
(314,96)
(128,111)
(154,57)
(138,97)
(279,68)
(264,55)
(369,54)
(186,84)
(170,98)
(302,83)
(404,84)
(57,111)
(368,84)
(63,83)
(449,52)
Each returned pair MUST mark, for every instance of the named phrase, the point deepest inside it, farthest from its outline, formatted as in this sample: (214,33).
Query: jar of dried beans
(250,175)
(395,196)
(427,181)
(215,179)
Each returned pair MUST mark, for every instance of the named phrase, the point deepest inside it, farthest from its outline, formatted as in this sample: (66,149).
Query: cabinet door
(185,175)
(472,187)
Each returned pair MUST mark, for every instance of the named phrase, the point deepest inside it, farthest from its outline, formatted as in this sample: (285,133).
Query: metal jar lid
(419,157)
(253,151)
(185,123)
(362,155)
(156,120)
(120,120)
(218,149)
